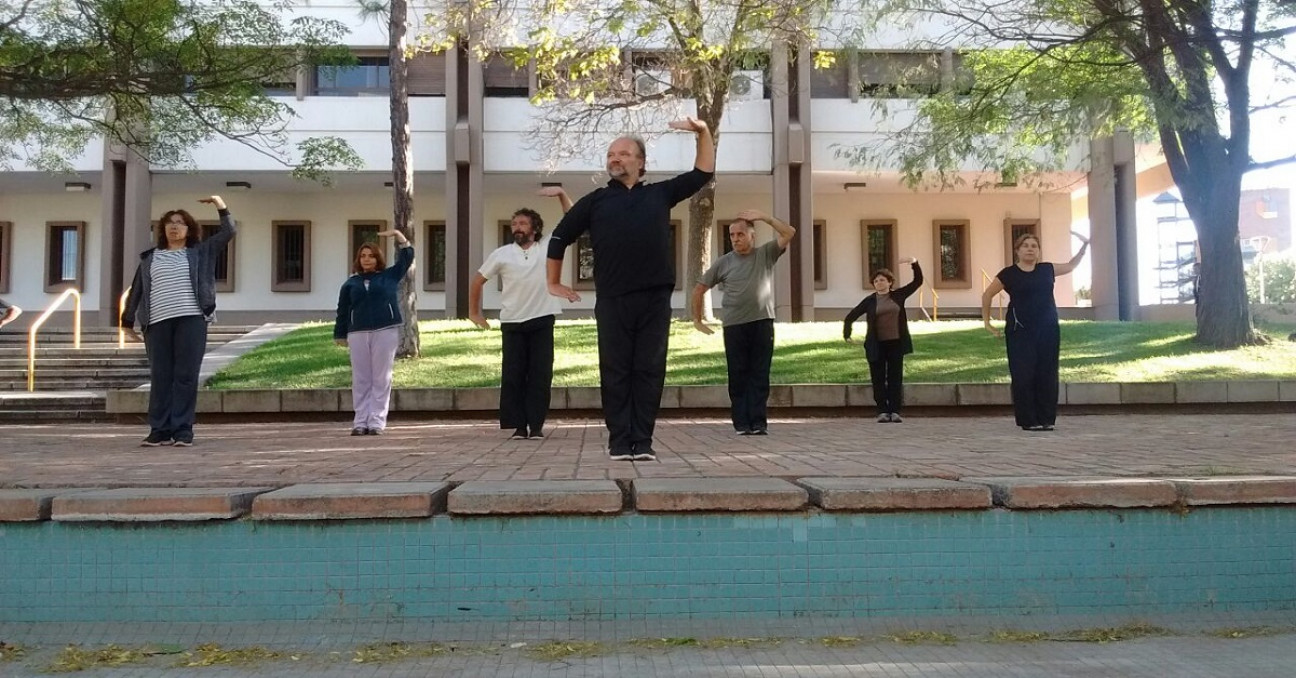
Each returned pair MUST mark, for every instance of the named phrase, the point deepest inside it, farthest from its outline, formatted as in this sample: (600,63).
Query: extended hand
(1082,238)
(213,200)
(702,327)
(480,321)
(689,125)
(392,233)
(752,216)
(134,336)
(340,342)
(561,290)
(992,330)
(910,260)
(551,192)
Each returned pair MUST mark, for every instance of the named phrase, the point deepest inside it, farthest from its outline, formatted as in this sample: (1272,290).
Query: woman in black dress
(887,340)
(1031,326)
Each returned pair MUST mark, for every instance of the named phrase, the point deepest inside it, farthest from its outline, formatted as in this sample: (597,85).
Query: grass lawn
(456,354)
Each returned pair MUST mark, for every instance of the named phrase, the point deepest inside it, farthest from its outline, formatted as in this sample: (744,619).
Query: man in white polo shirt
(527,313)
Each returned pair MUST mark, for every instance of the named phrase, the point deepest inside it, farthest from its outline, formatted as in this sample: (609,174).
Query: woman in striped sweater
(173,298)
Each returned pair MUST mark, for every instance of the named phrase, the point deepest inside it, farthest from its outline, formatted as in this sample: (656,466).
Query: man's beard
(521,237)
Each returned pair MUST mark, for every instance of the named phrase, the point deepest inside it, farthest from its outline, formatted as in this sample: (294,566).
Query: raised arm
(785,231)
(227,229)
(557,192)
(917,278)
(995,287)
(705,156)
(1063,269)
(404,253)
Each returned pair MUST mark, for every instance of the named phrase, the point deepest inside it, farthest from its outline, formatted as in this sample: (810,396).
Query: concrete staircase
(71,383)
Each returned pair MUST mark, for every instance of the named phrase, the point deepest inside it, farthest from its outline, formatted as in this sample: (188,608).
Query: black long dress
(1034,342)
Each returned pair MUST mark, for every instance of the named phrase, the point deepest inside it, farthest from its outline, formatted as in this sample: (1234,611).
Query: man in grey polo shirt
(747,274)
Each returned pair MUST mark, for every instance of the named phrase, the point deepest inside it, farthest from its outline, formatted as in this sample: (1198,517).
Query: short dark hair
(192,237)
(379,265)
(885,273)
(537,222)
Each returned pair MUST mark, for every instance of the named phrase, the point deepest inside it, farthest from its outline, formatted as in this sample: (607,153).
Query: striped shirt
(171,292)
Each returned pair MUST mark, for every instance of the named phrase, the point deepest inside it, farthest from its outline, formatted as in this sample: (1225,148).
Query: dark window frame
(225,284)
(51,265)
(962,227)
(277,264)
(867,228)
(430,229)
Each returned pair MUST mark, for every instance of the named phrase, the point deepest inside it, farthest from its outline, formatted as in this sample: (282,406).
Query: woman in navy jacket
(369,324)
(887,341)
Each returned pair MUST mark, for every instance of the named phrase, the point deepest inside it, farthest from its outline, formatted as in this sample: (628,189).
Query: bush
(1279,280)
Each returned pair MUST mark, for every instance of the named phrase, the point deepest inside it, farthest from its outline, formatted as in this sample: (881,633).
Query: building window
(899,75)
(820,231)
(6,238)
(369,75)
(436,255)
(878,236)
(365,231)
(65,255)
(224,259)
(1013,229)
(425,75)
(291,256)
(723,244)
(502,78)
(952,257)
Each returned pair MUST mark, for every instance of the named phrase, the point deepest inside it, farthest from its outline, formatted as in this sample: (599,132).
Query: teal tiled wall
(642,566)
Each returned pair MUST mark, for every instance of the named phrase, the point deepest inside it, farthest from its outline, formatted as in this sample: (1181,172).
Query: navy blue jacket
(202,274)
(364,308)
(868,309)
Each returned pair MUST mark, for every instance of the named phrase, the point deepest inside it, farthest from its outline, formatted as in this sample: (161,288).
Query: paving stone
(984,394)
(1237,490)
(1252,391)
(1082,393)
(895,494)
(1201,392)
(340,501)
(311,400)
(717,494)
(1079,492)
(924,395)
(477,399)
(127,402)
(584,398)
(699,397)
(251,401)
(417,400)
(1147,394)
(28,505)
(819,395)
(487,497)
(150,504)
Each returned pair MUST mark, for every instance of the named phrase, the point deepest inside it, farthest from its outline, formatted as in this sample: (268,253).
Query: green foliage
(1279,280)
(460,355)
(157,76)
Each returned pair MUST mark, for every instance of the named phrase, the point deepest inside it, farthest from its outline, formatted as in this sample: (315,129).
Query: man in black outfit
(634,272)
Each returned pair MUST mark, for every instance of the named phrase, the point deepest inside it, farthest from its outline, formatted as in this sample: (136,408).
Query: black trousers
(887,374)
(633,330)
(175,352)
(749,350)
(526,378)
(1033,365)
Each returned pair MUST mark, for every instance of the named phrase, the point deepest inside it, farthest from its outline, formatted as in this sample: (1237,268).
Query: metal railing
(986,279)
(922,304)
(31,332)
(121,311)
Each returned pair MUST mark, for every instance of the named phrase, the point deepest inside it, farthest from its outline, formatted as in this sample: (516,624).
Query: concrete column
(126,210)
(1126,212)
(793,193)
(1102,230)
(464,211)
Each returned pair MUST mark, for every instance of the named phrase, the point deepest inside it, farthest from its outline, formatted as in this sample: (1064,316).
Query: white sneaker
(895,418)
(884,417)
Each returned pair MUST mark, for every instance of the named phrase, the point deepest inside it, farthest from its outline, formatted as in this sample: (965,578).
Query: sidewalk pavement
(279,454)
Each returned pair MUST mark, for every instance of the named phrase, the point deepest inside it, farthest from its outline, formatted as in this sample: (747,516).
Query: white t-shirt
(526,293)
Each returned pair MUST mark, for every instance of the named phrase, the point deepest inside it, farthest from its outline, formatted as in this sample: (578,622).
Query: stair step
(47,362)
(64,372)
(42,416)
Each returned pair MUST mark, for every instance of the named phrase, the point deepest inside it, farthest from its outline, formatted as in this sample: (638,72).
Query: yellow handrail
(986,279)
(935,304)
(922,303)
(121,311)
(31,333)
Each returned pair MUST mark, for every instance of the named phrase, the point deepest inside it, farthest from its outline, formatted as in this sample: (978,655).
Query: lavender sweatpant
(372,355)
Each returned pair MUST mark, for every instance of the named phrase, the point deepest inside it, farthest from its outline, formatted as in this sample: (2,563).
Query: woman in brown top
(887,340)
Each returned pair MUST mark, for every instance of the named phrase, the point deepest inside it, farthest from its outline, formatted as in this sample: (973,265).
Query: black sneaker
(359,431)
(744,432)
(759,432)
(373,431)
(621,455)
(896,419)
(644,453)
(156,439)
(536,434)
(519,434)
(184,439)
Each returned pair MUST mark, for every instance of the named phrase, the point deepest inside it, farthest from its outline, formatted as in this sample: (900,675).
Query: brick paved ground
(105,455)
(808,649)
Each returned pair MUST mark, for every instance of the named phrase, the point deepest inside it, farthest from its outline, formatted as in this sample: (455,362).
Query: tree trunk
(403,174)
(702,218)
(1223,313)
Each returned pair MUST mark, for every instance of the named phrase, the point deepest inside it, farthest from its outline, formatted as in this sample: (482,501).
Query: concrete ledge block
(717,494)
(1287,391)
(1201,392)
(818,395)
(895,494)
(128,402)
(342,501)
(477,399)
(418,400)
(22,506)
(670,399)
(251,401)
(1151,393)
(152,504)
(859,395)
(488,497)
(1079,492)
(1252,391)
(704,396)
(780,395)
(310,400)
(923,395)
(1237,490)
(584,398)
(208,402)
(984,394)
(1091,394)
(558,397)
